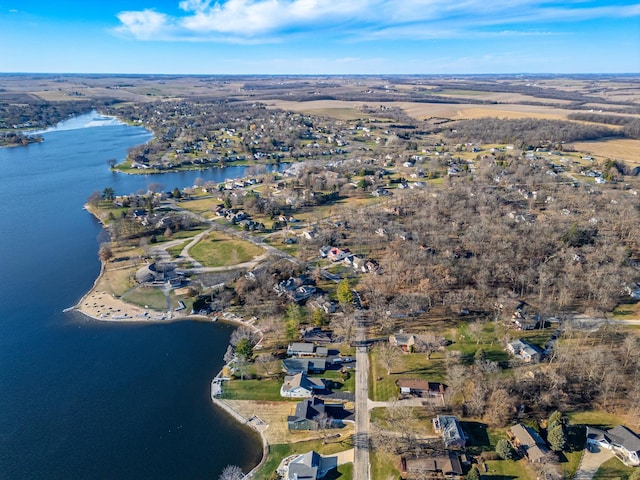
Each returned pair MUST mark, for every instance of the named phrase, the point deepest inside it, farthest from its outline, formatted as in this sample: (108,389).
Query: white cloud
(264,20)
(144,25)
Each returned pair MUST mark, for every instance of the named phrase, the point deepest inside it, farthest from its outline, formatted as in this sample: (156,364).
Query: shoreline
(247,422)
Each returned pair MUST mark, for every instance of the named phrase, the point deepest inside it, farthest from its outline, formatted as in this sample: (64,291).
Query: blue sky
(320,36)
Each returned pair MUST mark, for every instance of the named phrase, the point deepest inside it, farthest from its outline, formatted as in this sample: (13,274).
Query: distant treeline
(631,125)
(24,111)
(526,131)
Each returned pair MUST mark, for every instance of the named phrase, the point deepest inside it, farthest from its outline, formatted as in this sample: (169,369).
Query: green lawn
(175,251)
(348,385)
(147,297)
(383,465)
(382,387)
(595,418)
(613,469)
(507,470)
(268,390)
(219,250)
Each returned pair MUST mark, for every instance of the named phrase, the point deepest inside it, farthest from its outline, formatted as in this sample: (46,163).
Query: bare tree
(388,355)
(231,472)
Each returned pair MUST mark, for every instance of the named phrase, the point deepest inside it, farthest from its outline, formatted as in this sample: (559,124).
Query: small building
(448,427)
(403,341)
(300,386)
(419,387)
(624,443)
(447,465)
(528,442)
(524,351)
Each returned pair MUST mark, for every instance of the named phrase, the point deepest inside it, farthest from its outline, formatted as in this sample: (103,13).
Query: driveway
(591,461)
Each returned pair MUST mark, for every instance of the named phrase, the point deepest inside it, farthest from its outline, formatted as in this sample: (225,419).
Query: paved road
(361,436)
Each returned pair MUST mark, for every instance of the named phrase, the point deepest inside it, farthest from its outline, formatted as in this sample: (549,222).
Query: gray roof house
(304,467)
(303,349)
(306,365)
(450,430)
(529,442)
(622,441)
(524,351)
(300,386)
(307,413)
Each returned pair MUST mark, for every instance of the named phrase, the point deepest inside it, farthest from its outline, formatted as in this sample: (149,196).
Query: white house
(620,440)
(300,386)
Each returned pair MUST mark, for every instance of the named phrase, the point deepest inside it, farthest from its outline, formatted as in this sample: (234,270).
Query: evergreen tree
(344,293)
(244,348)
(504,450)
(557,438)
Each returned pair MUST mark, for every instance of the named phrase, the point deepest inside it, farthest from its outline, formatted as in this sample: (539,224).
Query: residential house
(317,335)
(447,465)
(449,428)
(620,440)
(419,387)
(523,319)
(310,466)
(306,365)
(337,254)
(302,349)
(528,442)
(300,386)
(304,467)
(308,415)
(524,351)
(403,341)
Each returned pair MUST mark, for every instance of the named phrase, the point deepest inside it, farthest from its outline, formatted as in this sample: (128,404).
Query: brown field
(424,110)
(500,97)
(616,149)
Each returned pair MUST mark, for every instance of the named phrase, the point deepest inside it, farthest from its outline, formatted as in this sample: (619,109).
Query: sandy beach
(103,306)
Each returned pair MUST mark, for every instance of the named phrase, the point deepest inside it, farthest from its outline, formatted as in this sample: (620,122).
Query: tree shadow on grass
(477,435)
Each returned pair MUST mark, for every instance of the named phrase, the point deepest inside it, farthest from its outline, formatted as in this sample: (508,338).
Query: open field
(615,149)
(219,250)
(454,111)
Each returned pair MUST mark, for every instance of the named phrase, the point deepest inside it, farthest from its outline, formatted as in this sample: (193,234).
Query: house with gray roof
(301,386)
(304,349)
(311,412)
(524,351)
(448,427)
(306,365)
(528,442)
(624,443)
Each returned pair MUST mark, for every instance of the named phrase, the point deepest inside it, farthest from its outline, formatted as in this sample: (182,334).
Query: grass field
(382,386)
(508,470)
(146,296)
(426,110)
(616,149)
(267,390)
(220,250)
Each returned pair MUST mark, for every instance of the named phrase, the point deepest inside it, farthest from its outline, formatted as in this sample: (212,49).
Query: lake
(79,398)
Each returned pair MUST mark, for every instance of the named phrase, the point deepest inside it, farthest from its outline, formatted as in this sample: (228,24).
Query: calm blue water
(80,399)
